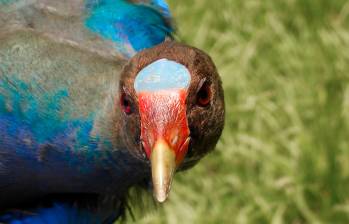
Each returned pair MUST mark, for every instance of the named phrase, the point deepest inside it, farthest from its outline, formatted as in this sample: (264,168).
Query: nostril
(142,150)
(174,140)
(174,137)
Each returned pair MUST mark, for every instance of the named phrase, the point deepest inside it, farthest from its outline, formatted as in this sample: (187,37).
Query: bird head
(172,109)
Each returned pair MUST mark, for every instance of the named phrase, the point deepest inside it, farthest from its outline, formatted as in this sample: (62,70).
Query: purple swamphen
(96,97)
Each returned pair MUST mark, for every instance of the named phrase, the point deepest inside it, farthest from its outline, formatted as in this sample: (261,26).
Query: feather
(58,213)
(140,25)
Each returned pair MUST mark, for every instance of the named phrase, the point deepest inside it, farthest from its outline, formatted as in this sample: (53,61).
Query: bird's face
(172,109)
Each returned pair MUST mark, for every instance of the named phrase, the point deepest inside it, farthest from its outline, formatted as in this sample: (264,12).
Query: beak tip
(161,192)
(163,168)
(161,197)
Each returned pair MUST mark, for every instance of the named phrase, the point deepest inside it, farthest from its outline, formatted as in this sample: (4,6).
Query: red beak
(164,134)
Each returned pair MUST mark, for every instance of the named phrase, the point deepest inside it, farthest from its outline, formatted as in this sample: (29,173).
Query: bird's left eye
(203,96)
(125,104)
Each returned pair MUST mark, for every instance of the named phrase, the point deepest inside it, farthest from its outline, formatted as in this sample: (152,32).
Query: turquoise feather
(139,25)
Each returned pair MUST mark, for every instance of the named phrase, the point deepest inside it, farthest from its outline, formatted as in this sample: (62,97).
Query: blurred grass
(284,154)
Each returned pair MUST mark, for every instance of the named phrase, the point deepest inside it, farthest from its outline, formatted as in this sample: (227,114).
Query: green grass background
(284,154)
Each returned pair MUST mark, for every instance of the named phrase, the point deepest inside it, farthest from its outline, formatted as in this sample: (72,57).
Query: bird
(109,102)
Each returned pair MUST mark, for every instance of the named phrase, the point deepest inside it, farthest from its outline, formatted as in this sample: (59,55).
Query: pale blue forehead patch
(162,74)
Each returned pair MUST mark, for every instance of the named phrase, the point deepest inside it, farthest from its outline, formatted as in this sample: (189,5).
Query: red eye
(203,97)
(125,104)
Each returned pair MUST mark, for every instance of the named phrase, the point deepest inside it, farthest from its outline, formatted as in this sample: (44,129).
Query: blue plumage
(49,149)
(59,213)
(135,26)
(26,106)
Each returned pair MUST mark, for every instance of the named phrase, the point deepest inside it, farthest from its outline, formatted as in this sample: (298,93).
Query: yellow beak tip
(161,197)
(163,165)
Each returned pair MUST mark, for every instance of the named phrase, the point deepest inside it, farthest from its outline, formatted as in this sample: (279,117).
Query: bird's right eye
(125,104)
